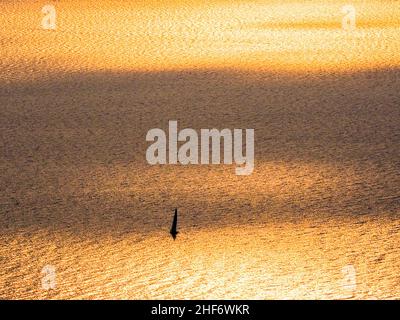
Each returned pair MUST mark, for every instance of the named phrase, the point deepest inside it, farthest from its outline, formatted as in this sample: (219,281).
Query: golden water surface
(76,190)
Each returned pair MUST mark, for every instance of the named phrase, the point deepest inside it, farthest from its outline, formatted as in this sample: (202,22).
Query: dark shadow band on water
(73,148)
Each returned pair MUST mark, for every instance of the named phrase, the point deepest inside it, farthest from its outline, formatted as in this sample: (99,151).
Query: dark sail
(173,231)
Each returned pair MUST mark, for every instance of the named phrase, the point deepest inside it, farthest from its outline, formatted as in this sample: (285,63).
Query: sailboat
(173,231)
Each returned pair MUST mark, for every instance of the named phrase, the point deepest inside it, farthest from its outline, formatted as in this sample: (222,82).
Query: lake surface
(318,217)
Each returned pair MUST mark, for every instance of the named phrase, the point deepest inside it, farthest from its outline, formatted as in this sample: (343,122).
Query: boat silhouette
(173,231)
